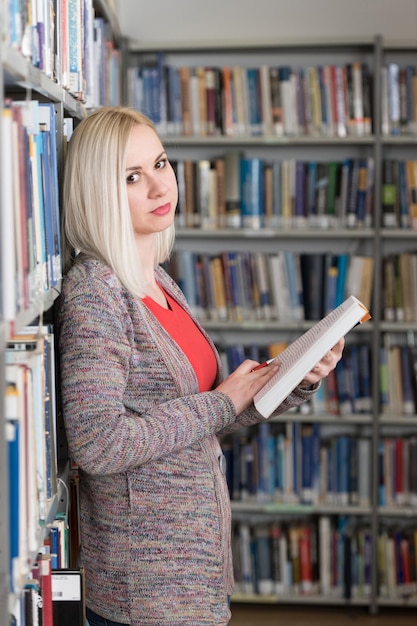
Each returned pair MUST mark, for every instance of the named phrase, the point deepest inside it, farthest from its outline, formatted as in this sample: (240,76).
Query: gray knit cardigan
(155,511)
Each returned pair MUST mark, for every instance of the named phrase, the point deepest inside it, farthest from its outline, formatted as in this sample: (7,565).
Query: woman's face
(151,184)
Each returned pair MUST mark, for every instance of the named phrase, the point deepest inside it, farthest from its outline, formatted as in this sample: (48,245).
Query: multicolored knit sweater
(155,511)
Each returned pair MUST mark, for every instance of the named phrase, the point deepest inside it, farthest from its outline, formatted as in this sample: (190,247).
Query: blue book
(12,441)
(254,101)
(252,193)
(311,192)
(404,214)
(296,459)
(362,192)
(343,489)
(365,377)
(186,278)
(55,547)
(306,464)
(74,47)
(381,474)
(49,232)
(39,210)
(353,351)
(173,100)
(342,268)
(263,560)
(301,206)
(47,114)
(407,381)
(280,467)
(353,472)
(276,194)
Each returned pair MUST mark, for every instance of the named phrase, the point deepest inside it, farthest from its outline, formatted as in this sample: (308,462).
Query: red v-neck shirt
(192,342)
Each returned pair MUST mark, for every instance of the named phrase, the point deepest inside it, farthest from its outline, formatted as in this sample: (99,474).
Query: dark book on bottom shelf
(68,597)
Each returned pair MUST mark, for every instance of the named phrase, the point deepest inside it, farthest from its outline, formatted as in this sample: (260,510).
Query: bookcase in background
(279,109)
(54,70)
(397,429)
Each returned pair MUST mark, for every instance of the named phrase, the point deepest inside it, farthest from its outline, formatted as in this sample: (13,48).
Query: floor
(264,615)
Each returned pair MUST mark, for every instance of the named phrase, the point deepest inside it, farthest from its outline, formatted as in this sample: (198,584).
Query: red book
(305,560)
(45,570)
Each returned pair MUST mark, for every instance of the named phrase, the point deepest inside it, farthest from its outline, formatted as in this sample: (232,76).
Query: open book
(299,358)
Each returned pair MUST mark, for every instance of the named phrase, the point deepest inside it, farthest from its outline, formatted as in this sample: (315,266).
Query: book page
(302,355)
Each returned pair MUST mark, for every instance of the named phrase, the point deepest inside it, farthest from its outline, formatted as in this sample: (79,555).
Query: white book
(299,358)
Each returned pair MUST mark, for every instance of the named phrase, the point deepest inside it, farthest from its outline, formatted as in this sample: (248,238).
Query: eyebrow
(139,167)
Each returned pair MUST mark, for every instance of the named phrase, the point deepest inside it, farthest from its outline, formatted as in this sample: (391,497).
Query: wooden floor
(264,615)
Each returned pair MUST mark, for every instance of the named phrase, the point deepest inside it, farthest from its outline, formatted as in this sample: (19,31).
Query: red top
(192,342)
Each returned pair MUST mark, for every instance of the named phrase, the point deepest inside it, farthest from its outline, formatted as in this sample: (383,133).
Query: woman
(143,397)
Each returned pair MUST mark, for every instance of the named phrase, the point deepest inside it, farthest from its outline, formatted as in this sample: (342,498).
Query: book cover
(301,356)
(68,597)
(252,192)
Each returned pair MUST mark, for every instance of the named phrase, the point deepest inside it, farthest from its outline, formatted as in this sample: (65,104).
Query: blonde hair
(96,217)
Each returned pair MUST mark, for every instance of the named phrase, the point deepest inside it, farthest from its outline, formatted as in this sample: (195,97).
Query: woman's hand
(242,385)
(325,366)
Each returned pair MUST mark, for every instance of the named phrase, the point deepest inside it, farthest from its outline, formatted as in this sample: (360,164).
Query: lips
(162,210)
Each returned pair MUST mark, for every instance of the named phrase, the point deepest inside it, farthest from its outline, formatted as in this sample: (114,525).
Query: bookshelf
(192,140)
(41,81)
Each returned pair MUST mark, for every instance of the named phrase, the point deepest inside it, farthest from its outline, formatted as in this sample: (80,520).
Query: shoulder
(89,275)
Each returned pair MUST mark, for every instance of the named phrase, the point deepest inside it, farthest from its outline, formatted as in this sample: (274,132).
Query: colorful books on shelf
(399,96)
(298,463)
(31,228)
(330,100)
(71,45)
(327,557)
(286,286)
(255,193)
(31,422)
(300,356)
(399,287)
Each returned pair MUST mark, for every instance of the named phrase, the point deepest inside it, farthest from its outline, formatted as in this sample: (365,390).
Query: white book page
(298,359)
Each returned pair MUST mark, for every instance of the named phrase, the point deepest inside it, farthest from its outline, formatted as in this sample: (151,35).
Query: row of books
(398,375)
(399,193)
(234,191)
(347,390)
(325,100)
(70,44)
(30,228)
(30,414)
(399,287)
(397,480)
(329,558)
(399,99)
(298,463)
(285,286)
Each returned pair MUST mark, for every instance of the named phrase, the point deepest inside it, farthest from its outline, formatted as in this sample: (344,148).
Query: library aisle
(250,615)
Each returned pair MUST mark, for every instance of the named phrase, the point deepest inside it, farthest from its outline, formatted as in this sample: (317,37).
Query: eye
(133,178)
(159,165)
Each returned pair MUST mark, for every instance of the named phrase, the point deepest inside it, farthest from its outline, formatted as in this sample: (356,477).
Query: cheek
(135,204)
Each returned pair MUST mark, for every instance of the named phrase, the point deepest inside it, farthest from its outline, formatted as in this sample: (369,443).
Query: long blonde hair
(96,217)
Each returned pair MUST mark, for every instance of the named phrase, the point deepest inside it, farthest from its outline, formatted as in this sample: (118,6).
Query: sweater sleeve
(106,431)
(251,416)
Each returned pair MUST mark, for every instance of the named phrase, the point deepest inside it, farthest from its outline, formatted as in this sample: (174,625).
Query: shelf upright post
(376,314)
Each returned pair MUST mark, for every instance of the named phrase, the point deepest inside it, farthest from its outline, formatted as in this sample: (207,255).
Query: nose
(157,185)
